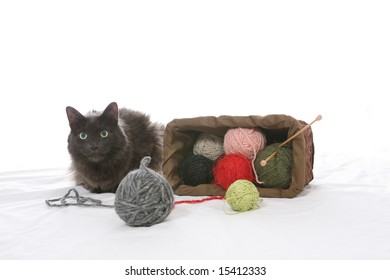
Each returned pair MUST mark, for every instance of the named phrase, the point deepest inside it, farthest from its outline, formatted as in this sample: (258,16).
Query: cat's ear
(111,112)
(74,117)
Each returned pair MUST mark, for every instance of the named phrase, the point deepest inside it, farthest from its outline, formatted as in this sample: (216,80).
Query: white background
(174,59)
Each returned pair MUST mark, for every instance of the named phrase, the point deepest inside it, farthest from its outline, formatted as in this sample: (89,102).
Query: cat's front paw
(95,190)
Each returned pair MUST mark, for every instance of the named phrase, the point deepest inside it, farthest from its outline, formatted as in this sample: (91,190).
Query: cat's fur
(101,160)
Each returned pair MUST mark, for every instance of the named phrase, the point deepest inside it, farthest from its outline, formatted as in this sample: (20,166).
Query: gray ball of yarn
(143,197)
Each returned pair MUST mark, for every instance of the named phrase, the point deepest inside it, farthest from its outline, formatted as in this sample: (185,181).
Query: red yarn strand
(196,201)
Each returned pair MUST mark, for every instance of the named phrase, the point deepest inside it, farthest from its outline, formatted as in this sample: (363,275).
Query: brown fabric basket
(180,136)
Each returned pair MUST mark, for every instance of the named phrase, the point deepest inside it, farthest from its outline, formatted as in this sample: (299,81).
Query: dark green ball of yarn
(196,169)
(277,171)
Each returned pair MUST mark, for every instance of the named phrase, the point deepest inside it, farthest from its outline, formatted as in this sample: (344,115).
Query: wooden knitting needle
(264,161)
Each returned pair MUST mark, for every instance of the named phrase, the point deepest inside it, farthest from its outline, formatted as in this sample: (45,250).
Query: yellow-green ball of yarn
(242,196)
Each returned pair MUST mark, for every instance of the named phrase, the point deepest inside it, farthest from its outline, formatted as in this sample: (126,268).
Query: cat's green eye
(103,133)
(83,135)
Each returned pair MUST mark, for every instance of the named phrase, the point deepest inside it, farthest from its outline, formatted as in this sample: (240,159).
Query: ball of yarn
(277,172)
(196,169)
(242,196)
(143,197)
(245,141)
(208,145)
(230,168)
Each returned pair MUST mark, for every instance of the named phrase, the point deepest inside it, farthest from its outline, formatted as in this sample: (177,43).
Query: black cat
(105,146)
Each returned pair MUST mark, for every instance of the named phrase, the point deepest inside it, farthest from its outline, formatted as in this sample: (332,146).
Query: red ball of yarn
(230,168)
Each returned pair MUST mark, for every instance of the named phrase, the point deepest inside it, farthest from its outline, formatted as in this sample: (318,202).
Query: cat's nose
(94,148)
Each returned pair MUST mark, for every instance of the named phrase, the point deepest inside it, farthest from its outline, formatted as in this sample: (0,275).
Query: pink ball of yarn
(245,141)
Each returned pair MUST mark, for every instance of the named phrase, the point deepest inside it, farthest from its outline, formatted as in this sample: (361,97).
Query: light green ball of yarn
(242,196)
(278,170)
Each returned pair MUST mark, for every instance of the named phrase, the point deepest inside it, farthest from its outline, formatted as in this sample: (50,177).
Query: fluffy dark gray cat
(105,146)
